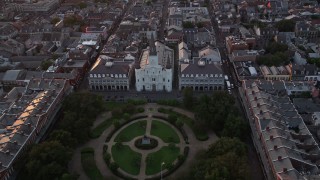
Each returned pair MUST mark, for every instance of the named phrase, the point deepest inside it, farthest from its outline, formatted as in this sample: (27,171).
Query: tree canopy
(47,160)
(187,24)
(225,159)
(286,25)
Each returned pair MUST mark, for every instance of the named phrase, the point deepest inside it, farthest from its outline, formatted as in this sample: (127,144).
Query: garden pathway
(194,144)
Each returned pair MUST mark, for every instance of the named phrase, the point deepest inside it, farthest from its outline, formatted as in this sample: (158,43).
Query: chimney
(15,143)
(255,98)
(7,152)
(279,158)
(268,129)
(271,137)
(285,169)
(258,104)
(275,147)
(29,125)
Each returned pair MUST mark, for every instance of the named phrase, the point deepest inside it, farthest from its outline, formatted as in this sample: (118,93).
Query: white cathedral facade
(155,70)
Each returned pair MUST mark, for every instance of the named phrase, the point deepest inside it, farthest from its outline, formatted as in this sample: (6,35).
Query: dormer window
(120,75)
(103,75)
(182,75)
(124,75)
(111,75)
(191,75)
(197,75)
(91,75)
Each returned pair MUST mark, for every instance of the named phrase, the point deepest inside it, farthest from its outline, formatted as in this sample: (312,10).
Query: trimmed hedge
(175,167)
(121,125)
(139,145)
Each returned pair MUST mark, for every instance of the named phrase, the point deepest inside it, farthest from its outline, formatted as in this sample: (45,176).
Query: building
(308,72)
(90,39)
(276,73)
(155,69)
(7,31)
(286,147)
(110,74)
(201,75)
(28,117)
(99,30)
(41,6)
(210,54)
(244,55)
(233,43)
(305,29)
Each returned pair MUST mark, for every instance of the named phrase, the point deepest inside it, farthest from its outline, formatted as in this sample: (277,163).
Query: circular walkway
(194,145)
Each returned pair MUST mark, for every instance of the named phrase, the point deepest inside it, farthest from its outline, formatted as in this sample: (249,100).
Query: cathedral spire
(152,46)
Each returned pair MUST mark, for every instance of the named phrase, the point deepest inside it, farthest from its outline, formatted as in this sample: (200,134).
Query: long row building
(286,147)
(27,112)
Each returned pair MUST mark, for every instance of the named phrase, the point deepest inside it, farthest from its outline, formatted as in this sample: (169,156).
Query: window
(164,79)
(143,79)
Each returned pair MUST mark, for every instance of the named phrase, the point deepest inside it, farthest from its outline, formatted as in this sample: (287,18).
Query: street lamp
(161,170)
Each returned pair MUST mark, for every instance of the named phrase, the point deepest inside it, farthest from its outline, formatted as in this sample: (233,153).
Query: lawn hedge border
(181,130)
(124,123)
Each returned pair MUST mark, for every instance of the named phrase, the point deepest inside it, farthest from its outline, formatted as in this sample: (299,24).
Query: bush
(129,108)
(179,123)
(105,148)
(172,118)
(126,116)
(107,158)
(140,109)
(116,123)
(139,145)
(113,166)
(116,112)
(87,150)
(161,110)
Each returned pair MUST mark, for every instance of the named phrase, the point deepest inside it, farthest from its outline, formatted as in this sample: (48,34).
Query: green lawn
(132,131)
(128,160)
(164,131)
(89,165)
(200,134)
(97,131)
(165,154)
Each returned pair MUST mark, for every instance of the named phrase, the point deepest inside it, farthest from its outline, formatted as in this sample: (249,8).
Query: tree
(235,126)
(200,24)
(225,159)
(64,137)
(55,20)
(187,24)
(188,97)
(213,110)
(48,160)
(275,47)
(286,25)
(82,5)
(46,64)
